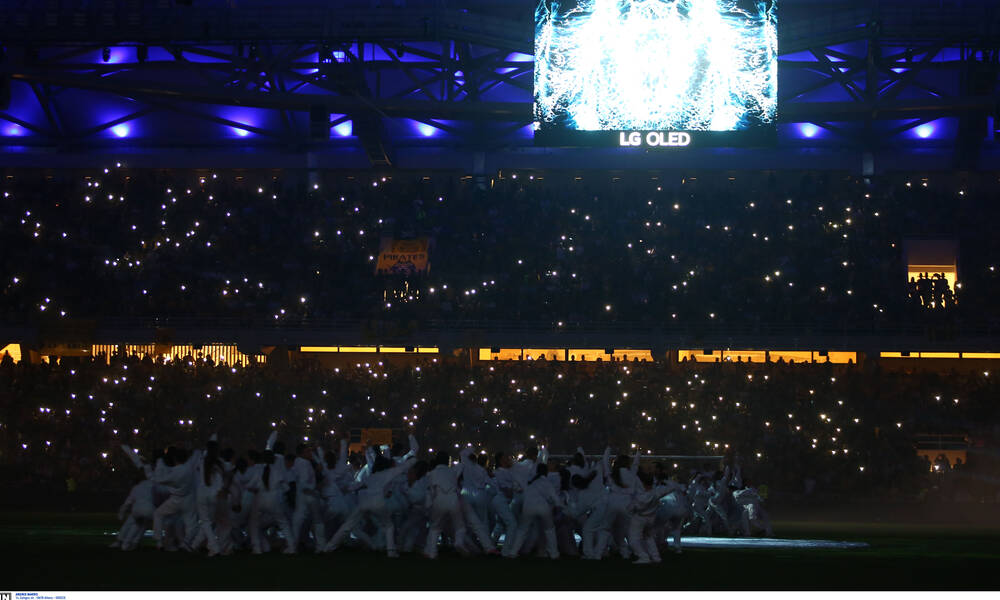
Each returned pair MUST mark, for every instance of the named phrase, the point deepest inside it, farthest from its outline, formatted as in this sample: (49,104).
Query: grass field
(68,551)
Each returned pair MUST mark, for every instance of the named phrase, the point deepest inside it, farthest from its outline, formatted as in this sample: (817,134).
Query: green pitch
(65,551)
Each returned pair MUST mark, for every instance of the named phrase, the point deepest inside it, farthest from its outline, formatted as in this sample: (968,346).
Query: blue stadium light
(241,121)
(311,59)
(519,57)
(426,130)
(808,130)
(925,131)
(121,130)
(14,130)
(345,129)
(114,55)
(527,132)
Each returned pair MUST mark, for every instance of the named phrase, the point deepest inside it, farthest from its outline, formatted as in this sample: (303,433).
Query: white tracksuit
(179,480)
(506,486)
(245,497)
(645,503)
(473,499)
(591,506)
(617,515)
(540,499)
(753,513)
(139,508)
(207,501)
(443,504)
(396,501)
(722,504)
(522,472)
(269,507)
(698,494)
(225,515)
(414,528)
(372,504)
(566,517)
(308,507)
(674,511)
(336,478)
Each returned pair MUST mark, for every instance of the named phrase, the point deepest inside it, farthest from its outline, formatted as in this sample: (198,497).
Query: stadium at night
(699,291)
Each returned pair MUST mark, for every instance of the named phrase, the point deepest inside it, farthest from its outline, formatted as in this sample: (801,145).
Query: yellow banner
(403,257)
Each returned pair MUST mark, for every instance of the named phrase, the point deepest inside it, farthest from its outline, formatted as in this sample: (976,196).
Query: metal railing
(160,20)
(670,457)
(933,441)
(457,333)
(513,325)
(146,22)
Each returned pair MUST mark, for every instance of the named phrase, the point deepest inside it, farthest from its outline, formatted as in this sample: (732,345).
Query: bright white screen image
(680,65)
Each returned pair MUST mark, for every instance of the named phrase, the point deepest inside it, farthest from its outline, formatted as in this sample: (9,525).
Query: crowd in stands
(799,429)
(751,250)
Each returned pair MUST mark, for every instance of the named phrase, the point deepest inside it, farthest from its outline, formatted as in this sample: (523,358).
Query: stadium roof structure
(446,84)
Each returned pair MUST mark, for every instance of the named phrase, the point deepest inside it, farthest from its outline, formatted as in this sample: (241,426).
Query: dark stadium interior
(332,220)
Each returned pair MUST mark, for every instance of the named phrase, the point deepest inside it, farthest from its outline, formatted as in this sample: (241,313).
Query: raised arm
(635,461)
(137,461)
(398,470)
(414,448)
(370,458)
(342,455)
(132,456)
(606,462)
(271,439)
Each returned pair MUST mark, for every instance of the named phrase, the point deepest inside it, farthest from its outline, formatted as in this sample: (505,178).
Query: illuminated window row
(701,356)
(226,353)
(230,353)
(564,354)
(371,349)
(980,355)
(761,356)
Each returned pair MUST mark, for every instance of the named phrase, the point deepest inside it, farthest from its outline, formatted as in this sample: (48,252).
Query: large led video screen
(655,72)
